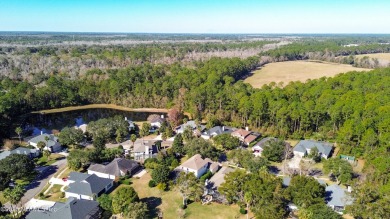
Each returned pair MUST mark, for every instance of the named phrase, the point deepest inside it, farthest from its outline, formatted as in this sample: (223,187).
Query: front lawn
(55,194)
(46,161)
(169,203)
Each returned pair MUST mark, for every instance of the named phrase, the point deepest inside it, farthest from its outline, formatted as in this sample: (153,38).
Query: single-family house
(86,186)
(259,146)
(191,125)
(241,134)
(304,147)
(71,209)
(251,138)
(31,153)
(131,124)
(144,150)
(115,169)
(337,198)
(198,166)
(156,121)
(52,143)
(217,130)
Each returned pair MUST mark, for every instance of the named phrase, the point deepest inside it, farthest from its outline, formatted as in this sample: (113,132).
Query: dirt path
(104,106)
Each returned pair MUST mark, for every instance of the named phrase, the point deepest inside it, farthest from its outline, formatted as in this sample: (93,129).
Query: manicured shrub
(152,183)
(243,211)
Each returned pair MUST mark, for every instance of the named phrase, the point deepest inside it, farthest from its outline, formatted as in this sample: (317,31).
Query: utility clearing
(287,72)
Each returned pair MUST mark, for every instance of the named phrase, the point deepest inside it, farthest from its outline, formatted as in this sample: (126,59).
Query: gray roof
(71,209)
(77,176)
(92,184)
(263,141)
(140,145)
(19,150)
(219,130)
(51,142)
(115,167)
(191,124)
(218,178)
(286,181)
(337,196)
(323,147)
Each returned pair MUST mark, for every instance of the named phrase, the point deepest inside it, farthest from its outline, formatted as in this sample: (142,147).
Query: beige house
(198,166)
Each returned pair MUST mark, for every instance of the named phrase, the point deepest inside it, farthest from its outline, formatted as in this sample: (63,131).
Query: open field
(169,203)
(296,71)
(383,56)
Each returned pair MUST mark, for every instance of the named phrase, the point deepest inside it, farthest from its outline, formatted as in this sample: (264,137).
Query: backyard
(169,203)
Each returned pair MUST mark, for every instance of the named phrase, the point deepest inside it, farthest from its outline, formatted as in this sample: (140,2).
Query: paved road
(40,181)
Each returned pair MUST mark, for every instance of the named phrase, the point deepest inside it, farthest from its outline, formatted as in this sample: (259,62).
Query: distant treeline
(340,51)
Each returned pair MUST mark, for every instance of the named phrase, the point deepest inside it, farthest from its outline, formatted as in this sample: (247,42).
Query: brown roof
(195,162)
(241,132)
(250,138)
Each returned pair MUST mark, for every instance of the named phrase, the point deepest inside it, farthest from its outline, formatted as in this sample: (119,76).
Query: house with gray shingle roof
(31,153)
(337,198)
(86,186)
(191,125)
(52,144)
(71,209)
(217,130)
(304,147)
(115,169)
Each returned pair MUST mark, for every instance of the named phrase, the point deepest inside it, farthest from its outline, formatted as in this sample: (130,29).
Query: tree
(105,202)
(315,155)
(4,179)
(133,138)
(46,153)
(202,147)
(70,136)
(189,187)
(188,134)
(274,150)
(136,210)
(339,168)
(227,141)
(177,145)
(19,131)
(47,140)
(14,195)
(122,198)
(161,174)
(174,117)
(305,191)
(144,130)
(17,166)
(318,211)
(41,145)
(77,159)
(234,186)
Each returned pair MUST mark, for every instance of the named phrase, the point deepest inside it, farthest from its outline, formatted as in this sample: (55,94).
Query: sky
(199,16)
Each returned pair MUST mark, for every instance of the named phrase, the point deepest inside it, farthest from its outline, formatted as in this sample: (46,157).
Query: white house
(217,130)
(198,166)
(304,147)
(86,186)
(115,169)
(189,125)
(144,150)
(52,143)
(337,198)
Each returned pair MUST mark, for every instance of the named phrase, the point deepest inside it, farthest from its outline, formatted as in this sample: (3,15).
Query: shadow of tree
(153,203)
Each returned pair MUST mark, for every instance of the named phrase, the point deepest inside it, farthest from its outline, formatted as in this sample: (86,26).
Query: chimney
(125,118)
(146,149)
(223,128)
(247,128)
(41,132)
(162,116)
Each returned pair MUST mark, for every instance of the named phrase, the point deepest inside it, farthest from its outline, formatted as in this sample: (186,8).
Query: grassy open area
(383,56)
(45,161)
(169,203)
(2,199)
(296,71)
(55,194)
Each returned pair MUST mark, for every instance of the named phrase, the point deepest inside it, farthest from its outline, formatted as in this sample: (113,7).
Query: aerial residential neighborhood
(201,109)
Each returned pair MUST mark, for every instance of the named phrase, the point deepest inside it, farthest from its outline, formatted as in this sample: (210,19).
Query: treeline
(340,51)
(32,62)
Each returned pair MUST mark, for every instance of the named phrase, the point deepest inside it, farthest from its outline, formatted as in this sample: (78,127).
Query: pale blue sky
(200,16)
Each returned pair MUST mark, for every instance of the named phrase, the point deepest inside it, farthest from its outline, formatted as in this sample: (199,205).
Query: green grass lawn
(2,199)
(169,203)
(54,194)
(46,161)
